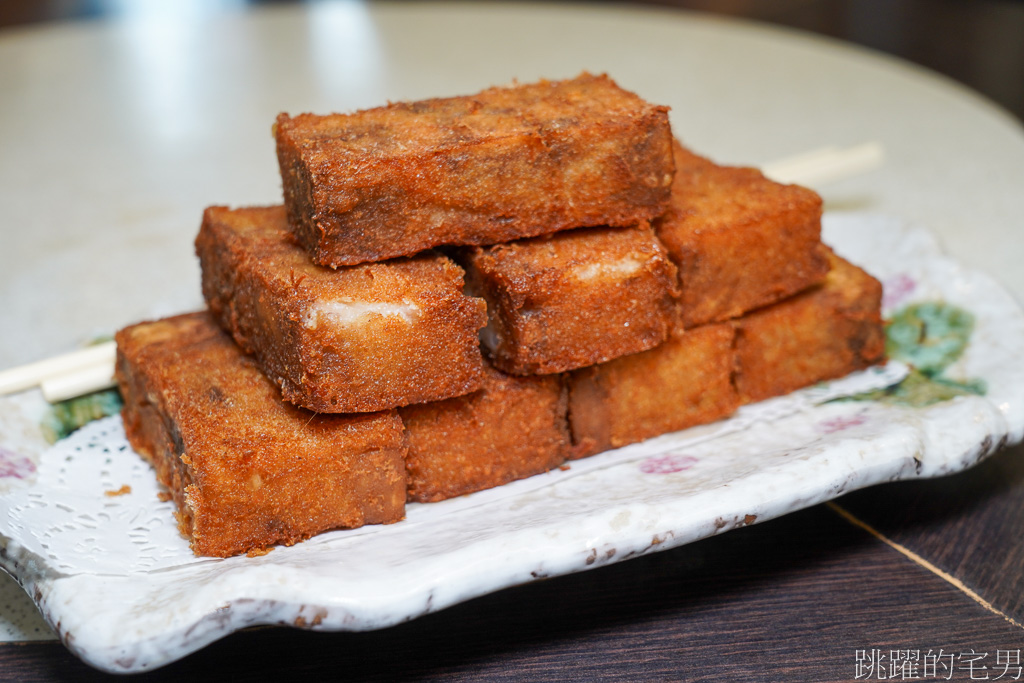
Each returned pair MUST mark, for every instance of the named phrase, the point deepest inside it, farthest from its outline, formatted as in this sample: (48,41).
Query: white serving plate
(112,576)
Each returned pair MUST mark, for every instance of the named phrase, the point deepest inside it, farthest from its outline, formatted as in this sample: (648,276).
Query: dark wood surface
(970,526)
(788,600)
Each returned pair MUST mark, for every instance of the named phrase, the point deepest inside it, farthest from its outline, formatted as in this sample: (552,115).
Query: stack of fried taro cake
(462,292)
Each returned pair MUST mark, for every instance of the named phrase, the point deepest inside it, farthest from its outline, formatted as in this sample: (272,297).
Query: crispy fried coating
(740,240)
(685,382)
(500,165)
(357,339)
(573,299)
(821,334)
(247,470)
(514,427)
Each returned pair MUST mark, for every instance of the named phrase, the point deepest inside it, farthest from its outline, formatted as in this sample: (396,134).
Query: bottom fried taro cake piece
(247,470)
(357,339)
(573,299)
(740,240)
(821,334)
(685,382)
(514,427)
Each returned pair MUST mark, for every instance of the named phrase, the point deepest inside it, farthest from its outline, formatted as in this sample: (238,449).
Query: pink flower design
(14,465)
(668,463)
(838,424)
(896,289)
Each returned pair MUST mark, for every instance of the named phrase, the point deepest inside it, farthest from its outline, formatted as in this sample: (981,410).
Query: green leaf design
(930,336)
(918,390)
(67,416)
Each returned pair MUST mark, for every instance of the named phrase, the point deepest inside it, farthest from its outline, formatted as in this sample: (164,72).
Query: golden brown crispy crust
(824,333)
(245,469)
(573,299)
(357,339)
(514,427)
(740,241)
(500,165)
(684,382)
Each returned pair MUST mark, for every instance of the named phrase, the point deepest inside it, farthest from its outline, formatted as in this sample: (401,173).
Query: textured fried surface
(500,165)
(356,339)
(740,241)
(247,470)
(573,299)
(823,333)
(513,428)
(684,382)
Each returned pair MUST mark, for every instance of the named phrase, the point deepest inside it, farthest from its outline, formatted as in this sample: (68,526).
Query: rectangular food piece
(357,339)
(740,240)
(506,163)
(686,381)
(572,299)
(247,470)
(514,427)
(824,333)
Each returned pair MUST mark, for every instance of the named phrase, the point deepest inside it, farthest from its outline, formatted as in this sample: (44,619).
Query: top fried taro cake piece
(504,164)
(247,470)
(352,340)
(573,299)
(740,240)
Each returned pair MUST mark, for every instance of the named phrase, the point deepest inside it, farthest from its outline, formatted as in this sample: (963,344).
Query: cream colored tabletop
(115,135)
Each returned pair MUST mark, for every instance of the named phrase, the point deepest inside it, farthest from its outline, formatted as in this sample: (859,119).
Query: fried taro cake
(247,470)
(357,339)
(500,165)
(824,333)
(574,298)
(514,427)
(740,240)
(685,382)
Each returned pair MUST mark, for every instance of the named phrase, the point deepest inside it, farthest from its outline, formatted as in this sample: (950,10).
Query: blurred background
(979,43)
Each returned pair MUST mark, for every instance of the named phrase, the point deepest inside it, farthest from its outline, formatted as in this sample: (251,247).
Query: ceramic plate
(112,576)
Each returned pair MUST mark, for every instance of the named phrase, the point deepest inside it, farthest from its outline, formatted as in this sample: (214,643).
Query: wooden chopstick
(92,368)
(826,164)
(78,382)
(34,374)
